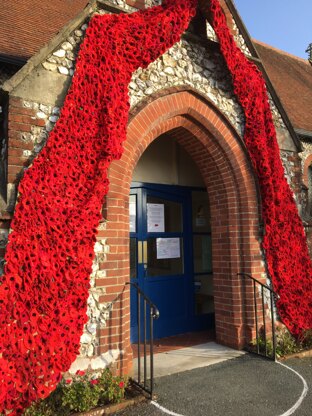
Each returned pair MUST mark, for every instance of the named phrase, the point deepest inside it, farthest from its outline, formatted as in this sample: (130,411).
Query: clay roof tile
(291,77)
(26,25)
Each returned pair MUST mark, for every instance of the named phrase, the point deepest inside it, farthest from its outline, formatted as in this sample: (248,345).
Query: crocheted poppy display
(285,246)
(44,291)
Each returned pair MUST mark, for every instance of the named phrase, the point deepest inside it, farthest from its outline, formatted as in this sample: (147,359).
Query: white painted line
(163,409)
(303,394)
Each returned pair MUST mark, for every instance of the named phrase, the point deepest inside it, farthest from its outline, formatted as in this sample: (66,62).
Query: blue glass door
(161,257)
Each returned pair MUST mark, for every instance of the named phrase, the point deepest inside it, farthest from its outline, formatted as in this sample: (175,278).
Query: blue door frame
(173,294)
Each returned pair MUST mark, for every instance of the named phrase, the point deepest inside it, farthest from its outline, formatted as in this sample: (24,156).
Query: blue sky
(284,24)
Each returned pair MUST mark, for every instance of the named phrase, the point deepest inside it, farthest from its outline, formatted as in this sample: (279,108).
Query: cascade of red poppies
(285,246)
(44,291)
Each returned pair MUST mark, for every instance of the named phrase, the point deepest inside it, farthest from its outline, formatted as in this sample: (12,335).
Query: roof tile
(26,25)
(292,79)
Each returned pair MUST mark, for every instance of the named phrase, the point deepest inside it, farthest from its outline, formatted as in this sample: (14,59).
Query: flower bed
(83,392)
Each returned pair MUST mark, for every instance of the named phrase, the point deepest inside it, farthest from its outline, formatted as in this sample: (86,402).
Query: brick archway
(219,154)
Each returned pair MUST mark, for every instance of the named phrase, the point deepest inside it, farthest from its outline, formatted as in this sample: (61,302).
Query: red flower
(68,381)
(80,373)
(121,384)
(94,382)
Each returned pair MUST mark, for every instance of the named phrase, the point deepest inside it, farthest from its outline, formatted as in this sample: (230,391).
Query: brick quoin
(138,4)
(21,120)
(307,164)
(213,144)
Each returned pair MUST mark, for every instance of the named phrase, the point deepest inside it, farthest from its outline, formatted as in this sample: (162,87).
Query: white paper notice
(155,218)
(168,248)
(132,213)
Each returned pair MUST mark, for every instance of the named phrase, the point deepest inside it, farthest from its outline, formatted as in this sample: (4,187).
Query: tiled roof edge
(34,61)
(304,134)
(280,51)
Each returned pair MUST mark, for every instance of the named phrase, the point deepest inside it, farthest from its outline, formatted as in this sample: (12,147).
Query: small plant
(50,406)
(112,388)
(80,393)
(285,343)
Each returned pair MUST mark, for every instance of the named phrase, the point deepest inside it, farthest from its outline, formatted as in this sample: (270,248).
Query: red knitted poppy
(44,291)
(285,246)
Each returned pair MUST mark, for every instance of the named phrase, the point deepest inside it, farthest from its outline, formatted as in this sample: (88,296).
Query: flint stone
(169,61)
(63,70)
(169,71)
(50,66)
(67,46)
(59,53)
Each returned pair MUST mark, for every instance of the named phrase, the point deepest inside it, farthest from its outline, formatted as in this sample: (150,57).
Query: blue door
(162,247)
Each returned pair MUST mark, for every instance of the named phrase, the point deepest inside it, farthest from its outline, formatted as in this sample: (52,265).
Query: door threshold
(177,342)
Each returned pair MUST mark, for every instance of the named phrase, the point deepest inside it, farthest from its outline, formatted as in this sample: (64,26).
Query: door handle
(142,252)
(145,252)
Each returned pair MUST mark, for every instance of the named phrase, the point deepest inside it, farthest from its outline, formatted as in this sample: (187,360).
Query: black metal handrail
(261,337)
(153,314)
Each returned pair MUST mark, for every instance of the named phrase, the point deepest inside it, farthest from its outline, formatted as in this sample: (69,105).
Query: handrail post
(264,323)
(151,351)
(139,335)
(154,314)
(145,368)
(273,325)
(273,296)
(256,317)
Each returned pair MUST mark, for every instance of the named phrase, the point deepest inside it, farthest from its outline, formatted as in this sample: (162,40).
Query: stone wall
(62,60)
(189,65)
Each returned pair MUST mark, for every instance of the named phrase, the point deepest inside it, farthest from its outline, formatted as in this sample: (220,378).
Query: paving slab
(184,359)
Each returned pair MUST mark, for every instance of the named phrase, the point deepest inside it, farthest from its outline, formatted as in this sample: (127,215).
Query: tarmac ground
(248,385)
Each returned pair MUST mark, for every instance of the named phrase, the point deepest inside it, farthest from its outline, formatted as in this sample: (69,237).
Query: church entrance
(182,210)
(170,247)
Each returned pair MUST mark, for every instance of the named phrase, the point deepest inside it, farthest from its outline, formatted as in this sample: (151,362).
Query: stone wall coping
(110,7)
(299,354)
(113,408)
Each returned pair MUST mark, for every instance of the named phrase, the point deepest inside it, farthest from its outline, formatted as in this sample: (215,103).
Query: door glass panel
(200,212)
(163,215)
(203,294)
(202,253)
(133,213)
(133,257)
(164,256)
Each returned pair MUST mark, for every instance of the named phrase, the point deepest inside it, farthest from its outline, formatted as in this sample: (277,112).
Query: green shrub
(80,396)
(81,393)
(112,388)
(286,344)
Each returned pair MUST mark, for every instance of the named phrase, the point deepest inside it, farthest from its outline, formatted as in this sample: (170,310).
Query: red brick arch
(217,150)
